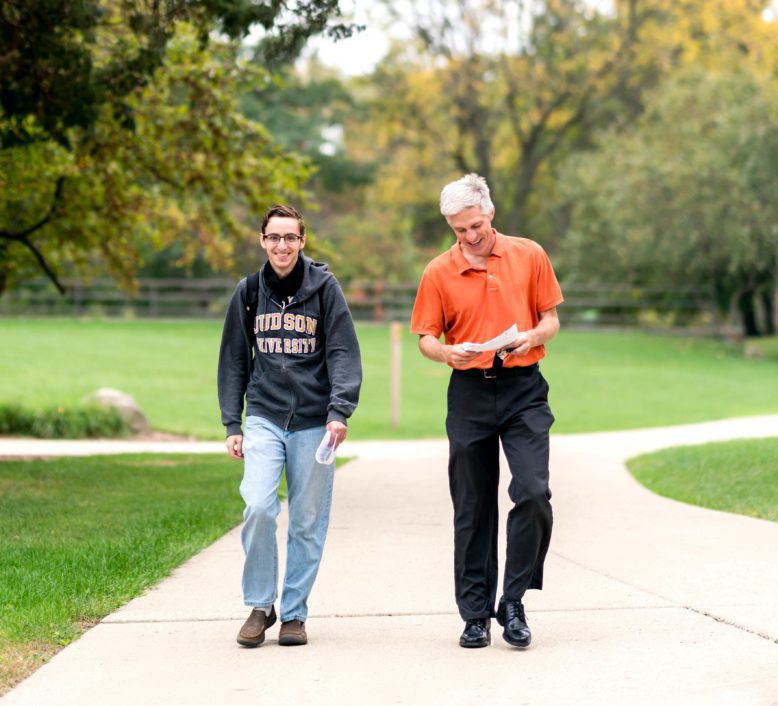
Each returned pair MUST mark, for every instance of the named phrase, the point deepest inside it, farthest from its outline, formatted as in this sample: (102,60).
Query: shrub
(89,422)
(14,419)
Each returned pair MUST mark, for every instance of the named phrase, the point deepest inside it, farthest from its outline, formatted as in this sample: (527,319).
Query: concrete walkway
(647,601)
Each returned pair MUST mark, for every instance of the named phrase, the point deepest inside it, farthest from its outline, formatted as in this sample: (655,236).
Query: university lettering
(297,323)
(290,346)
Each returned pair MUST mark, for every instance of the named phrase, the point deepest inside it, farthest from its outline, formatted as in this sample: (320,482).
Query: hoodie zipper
(293,406)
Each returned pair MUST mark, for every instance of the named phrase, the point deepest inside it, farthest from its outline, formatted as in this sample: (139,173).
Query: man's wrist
(333,416)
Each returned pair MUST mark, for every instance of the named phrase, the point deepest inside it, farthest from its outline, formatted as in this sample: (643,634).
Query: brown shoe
(252,634)
(292,633)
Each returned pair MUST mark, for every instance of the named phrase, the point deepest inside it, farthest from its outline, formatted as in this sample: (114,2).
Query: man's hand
(521,346)
(457,356)
(337,432)
(235,446)
(548,325)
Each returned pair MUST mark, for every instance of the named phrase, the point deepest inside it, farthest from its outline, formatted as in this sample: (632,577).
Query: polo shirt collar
(461,263)
(499,247)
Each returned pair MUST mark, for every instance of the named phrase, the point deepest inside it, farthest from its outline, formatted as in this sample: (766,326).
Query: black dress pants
(484,408)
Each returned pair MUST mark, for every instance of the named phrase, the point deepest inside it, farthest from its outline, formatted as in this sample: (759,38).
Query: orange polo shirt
(468,304)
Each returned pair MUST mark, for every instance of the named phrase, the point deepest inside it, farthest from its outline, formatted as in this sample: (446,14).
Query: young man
(476,290)
(297,364)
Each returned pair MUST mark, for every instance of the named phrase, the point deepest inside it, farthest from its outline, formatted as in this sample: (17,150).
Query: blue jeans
(267,448)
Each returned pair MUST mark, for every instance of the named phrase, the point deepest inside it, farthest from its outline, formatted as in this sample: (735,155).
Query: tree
(188,166)
(110,139)
(686,198)
(511,88)
(511,85)
(63,60)
(306,113)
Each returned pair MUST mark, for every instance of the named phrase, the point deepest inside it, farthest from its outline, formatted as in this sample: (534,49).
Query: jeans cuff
(267,607)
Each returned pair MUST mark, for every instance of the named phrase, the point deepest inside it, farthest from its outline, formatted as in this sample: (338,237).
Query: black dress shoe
(476,633)
(510,614)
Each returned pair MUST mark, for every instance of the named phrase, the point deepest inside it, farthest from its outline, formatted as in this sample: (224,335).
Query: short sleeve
(427,316)
(549,293)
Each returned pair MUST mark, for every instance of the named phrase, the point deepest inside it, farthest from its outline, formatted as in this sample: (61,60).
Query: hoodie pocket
(313,393)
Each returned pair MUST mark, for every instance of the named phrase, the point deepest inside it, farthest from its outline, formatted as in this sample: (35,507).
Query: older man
(480,287)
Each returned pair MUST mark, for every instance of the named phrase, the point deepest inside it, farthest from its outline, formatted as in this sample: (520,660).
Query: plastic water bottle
(325,454)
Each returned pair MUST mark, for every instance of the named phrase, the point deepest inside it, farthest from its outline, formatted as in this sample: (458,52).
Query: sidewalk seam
(331,616)
(719,619)
(692,609)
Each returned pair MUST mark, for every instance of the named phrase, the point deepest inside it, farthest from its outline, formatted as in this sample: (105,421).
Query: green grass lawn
(734,476)
(599,381)
(763,348)
(603,381)
(82,536)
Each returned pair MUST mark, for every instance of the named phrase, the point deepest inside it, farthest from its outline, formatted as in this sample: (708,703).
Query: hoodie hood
(315,276)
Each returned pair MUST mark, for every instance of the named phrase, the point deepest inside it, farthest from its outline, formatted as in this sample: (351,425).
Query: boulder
(124,404)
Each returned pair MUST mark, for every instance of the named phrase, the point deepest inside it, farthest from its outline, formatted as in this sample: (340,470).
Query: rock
(126,406)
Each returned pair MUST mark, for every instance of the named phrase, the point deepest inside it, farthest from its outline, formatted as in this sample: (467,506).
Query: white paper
(325,454)
(505,338)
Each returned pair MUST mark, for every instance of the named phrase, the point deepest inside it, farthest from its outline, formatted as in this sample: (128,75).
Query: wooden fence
(585,305)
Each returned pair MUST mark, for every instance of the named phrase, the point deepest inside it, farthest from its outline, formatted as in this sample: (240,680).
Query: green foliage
(81,422)
(120,132)
(64,62)
(511,89)
(733,476)
(190,164)
(306,115)
(46,85)
(310,114)
(504,89)
(686,198)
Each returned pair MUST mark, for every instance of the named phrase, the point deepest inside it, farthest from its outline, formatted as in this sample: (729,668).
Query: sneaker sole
(251,643)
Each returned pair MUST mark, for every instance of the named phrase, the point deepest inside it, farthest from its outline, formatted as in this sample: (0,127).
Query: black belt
(497,373)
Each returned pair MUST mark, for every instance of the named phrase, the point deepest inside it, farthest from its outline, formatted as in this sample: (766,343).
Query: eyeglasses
(290,238)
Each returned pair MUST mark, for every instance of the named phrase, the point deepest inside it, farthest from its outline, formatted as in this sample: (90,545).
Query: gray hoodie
(302,367)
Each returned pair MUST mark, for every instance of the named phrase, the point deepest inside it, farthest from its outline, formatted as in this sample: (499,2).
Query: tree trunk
(768,301)
(3,266)
(748,313)
(516,223)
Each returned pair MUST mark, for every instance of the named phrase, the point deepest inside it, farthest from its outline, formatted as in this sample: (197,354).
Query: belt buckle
(489,377)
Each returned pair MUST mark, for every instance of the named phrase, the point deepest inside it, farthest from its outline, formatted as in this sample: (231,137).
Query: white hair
(470,190)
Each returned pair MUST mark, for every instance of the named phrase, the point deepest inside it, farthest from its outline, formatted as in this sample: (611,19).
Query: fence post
(154,299)
(395,371)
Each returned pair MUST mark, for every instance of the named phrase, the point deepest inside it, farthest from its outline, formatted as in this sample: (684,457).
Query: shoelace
(514,610)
